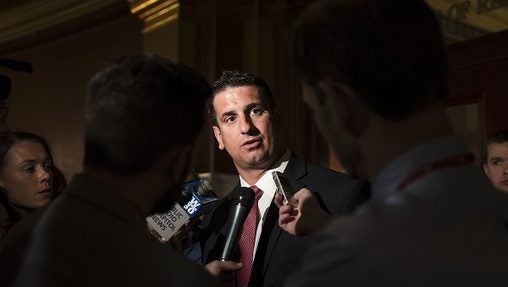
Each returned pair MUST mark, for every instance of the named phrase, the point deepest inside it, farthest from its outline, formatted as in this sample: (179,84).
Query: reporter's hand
(223,270)
(302,215)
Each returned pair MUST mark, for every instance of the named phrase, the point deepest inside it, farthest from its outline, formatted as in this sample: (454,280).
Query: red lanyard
(457,160)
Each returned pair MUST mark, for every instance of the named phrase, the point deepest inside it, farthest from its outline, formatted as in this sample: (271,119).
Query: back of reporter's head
(139,107)
(388,52)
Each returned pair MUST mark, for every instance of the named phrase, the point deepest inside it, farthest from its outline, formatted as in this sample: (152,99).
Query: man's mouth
(252,144)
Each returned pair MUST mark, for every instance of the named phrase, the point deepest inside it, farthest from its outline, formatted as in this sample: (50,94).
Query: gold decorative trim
(466,19)
(155,13)
(35,16)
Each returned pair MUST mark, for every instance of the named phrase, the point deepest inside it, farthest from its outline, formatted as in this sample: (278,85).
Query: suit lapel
(271,232)
(296,171)
(269,238)
(215,228)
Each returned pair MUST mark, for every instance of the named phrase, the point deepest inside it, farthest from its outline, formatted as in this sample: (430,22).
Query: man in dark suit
(246,125)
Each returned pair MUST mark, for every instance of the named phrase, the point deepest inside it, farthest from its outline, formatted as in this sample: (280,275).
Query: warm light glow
(141,6)
(159,7)
(161,12)
(155,14)
(160,23)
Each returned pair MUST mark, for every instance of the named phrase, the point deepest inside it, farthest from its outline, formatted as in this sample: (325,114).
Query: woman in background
(25,176)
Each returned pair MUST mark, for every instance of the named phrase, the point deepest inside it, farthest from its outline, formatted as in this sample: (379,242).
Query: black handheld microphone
(240,208)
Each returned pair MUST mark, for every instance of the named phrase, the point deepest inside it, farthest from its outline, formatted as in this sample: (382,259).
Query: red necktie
(247,241)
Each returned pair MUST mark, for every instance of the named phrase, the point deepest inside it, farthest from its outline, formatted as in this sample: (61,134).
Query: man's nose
(246,125)
(505,167)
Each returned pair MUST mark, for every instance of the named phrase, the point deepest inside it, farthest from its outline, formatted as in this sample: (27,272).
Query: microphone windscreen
(244,197)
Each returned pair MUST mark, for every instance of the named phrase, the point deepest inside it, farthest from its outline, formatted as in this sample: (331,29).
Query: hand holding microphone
(223,270)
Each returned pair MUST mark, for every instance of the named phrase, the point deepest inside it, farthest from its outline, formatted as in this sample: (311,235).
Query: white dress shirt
(267,186)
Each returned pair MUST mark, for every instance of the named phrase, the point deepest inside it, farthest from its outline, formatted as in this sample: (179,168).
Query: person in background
(495,163)
(374,75)
(143,114)
(247,124)
(25,176)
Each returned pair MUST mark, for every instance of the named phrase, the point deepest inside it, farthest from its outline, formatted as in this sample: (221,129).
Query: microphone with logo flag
(198,198)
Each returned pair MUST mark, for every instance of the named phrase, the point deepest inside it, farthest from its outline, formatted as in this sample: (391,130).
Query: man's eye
(496,162)
(229,119)
(257,111)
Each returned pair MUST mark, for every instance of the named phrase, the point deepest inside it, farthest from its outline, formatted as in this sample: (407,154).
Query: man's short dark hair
(235,78)
(139,107)
(390,52)
(498,137)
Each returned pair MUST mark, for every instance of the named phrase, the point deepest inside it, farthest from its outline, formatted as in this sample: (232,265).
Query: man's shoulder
(358,227)
(298,165)
(66,209)
(73,225)
(161,263)
(372,223)
(150,263)
(337,192)
(388,220)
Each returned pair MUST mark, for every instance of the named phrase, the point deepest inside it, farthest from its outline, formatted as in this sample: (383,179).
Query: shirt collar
(265,182)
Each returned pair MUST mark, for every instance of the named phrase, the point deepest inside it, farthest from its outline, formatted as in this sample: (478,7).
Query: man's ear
(327,92)
(178,161)
(355,111)
(486,170)
(218,136)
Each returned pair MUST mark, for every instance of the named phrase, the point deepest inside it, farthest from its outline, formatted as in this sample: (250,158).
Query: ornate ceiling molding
(155,13)
(466,19)
(25,19)
(32,17)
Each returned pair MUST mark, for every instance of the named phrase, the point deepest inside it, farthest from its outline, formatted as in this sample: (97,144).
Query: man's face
(496,167)
(244,127)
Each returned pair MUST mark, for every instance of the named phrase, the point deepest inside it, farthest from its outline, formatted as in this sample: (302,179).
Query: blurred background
(66,41)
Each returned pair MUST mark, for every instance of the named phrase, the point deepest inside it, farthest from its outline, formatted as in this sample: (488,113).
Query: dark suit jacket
(279,253)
